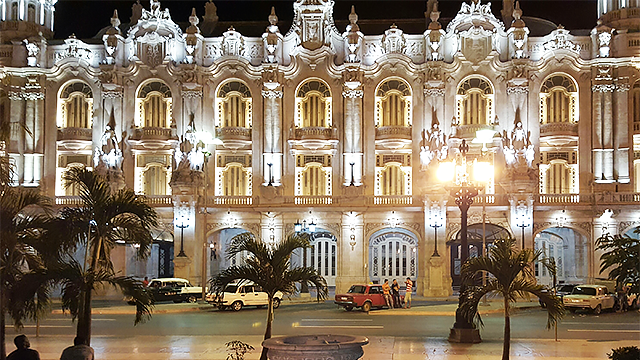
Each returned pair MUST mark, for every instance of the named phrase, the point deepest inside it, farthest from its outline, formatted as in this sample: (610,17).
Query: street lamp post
(310,229)
(435,224)
(523,224)
(181,223)
(464,190)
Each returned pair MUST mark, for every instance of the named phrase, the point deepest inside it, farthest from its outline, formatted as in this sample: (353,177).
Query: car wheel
(236,306)
(276,303)
(191,299)
(597,310)
(348,308)
(366,306)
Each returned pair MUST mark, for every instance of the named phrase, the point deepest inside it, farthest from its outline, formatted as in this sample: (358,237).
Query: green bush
(625,353)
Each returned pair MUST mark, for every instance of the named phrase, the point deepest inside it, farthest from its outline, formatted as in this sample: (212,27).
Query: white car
(590,297)
(239,295)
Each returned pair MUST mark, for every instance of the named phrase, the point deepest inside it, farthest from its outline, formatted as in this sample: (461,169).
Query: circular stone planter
(337,347)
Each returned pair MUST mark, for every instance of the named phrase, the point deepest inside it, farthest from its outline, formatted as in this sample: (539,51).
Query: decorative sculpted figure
(433,144)
(517,147)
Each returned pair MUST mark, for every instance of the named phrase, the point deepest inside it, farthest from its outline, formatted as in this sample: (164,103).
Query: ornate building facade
(338,131)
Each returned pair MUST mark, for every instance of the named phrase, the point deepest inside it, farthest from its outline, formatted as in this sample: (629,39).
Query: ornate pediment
(154,35)
(313,22)
(74,48)
(474,14)
(476,44)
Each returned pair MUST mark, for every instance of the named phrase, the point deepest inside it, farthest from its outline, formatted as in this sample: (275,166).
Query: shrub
(625,353)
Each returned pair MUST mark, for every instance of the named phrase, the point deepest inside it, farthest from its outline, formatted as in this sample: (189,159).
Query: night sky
(86,18)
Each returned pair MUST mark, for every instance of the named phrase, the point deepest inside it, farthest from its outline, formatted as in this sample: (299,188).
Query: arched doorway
(569,249)
(393,254)
(219,242)
(322,255)
(474,240)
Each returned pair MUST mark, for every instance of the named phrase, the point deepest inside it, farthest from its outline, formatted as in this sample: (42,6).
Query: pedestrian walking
(23,351)
(386,293)
(395,291)
(79,351)
(407,296)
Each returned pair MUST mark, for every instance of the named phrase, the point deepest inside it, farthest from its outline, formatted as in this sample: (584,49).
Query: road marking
(43,326)
(612,324)
(611,331)
(69,319)
(346,320)
(341,326)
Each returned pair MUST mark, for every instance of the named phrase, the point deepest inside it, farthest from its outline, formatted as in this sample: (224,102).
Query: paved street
(198,332)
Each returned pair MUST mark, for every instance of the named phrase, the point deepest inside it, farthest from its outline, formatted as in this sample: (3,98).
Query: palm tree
(511,276)
(621,254)
(270,268)
(104,217)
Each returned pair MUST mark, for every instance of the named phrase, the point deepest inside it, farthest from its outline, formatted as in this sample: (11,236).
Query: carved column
(603,113)
(434,278)
(352,255)
(272,153)
(353,156)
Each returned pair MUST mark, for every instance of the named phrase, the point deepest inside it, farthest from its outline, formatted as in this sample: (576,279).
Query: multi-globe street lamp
(467,178)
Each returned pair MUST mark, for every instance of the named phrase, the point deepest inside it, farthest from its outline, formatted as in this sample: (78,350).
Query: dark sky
(86,18)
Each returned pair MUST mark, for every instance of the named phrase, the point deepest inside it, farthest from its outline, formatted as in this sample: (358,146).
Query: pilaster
(352,255)
(433,273)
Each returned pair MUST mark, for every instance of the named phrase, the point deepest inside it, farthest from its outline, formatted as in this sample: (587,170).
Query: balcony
(234,137)
(558,134)
(313,200)
(314,138)
(230,201)
(68,200)
(469,131)
(392,200)
(73,133)
(153,137)
(158,200)
(393,137)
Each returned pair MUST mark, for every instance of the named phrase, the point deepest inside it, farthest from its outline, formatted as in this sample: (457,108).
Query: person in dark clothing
(23,352)
(395,291)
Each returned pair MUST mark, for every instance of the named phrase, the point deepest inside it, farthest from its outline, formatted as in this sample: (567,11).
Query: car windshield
(231,289)
(357,289)
(579,290)
(565,288)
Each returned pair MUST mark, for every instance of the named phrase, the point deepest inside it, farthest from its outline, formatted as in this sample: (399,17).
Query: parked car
(364,297)
(172,289)
(561,291)
(590,297)
(240,294)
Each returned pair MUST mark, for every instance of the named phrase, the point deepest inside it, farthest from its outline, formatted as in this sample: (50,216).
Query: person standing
(79,351)
(145,282)
(386,289)
(23,352)
(395,291)
(407,296)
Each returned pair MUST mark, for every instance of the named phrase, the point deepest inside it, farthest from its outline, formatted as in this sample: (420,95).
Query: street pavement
(140,343)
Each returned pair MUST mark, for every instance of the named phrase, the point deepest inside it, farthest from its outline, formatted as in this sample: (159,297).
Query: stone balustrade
(561,128)
(393,132)
(320,133)
(74,133)
(153,133)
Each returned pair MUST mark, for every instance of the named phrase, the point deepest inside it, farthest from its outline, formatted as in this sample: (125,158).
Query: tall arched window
(392,180)
(558,178)
(558,100)
(31,13)
(393,104)
(235,180)
(474,101)
(234,105)
(313,105)
(313,180)
(75,106)
(635,100)
(154,105)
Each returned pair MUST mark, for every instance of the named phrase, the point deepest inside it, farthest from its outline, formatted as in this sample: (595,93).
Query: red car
(362,296)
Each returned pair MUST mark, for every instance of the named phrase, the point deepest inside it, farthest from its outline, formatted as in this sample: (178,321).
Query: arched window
(235,180)
(558,100)
(321,255)
(313,105)
(234,105)
(558,178)
(393,253)
(75,106)
(635,100)
(154,105)
(313,180)
(474,101)
(392,180)
(393,104)
(155,180)
(31,13)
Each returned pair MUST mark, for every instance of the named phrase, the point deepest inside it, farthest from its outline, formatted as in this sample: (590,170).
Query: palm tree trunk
(267,333)
(507,331)
(3,350)
(84,317)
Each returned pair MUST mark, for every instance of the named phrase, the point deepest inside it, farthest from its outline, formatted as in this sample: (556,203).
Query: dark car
(561,291)
(172,289)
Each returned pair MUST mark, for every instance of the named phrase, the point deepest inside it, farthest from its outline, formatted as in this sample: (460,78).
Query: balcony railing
(560,198)
(562,128)
(230,201)
(315,133)
(159,200)
(392,200)
(74,133)
(393,132)
(152,133)
(313,200)
(68,200)
(233,133)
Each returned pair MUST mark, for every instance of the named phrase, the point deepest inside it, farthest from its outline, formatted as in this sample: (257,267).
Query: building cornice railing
(75,133)
(393,132)
(153,133)
(562,128)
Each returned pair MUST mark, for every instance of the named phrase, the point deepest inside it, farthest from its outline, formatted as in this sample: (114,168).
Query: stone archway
(219,241)
(570,251)
(322,255)
(475,242)
(393,253)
